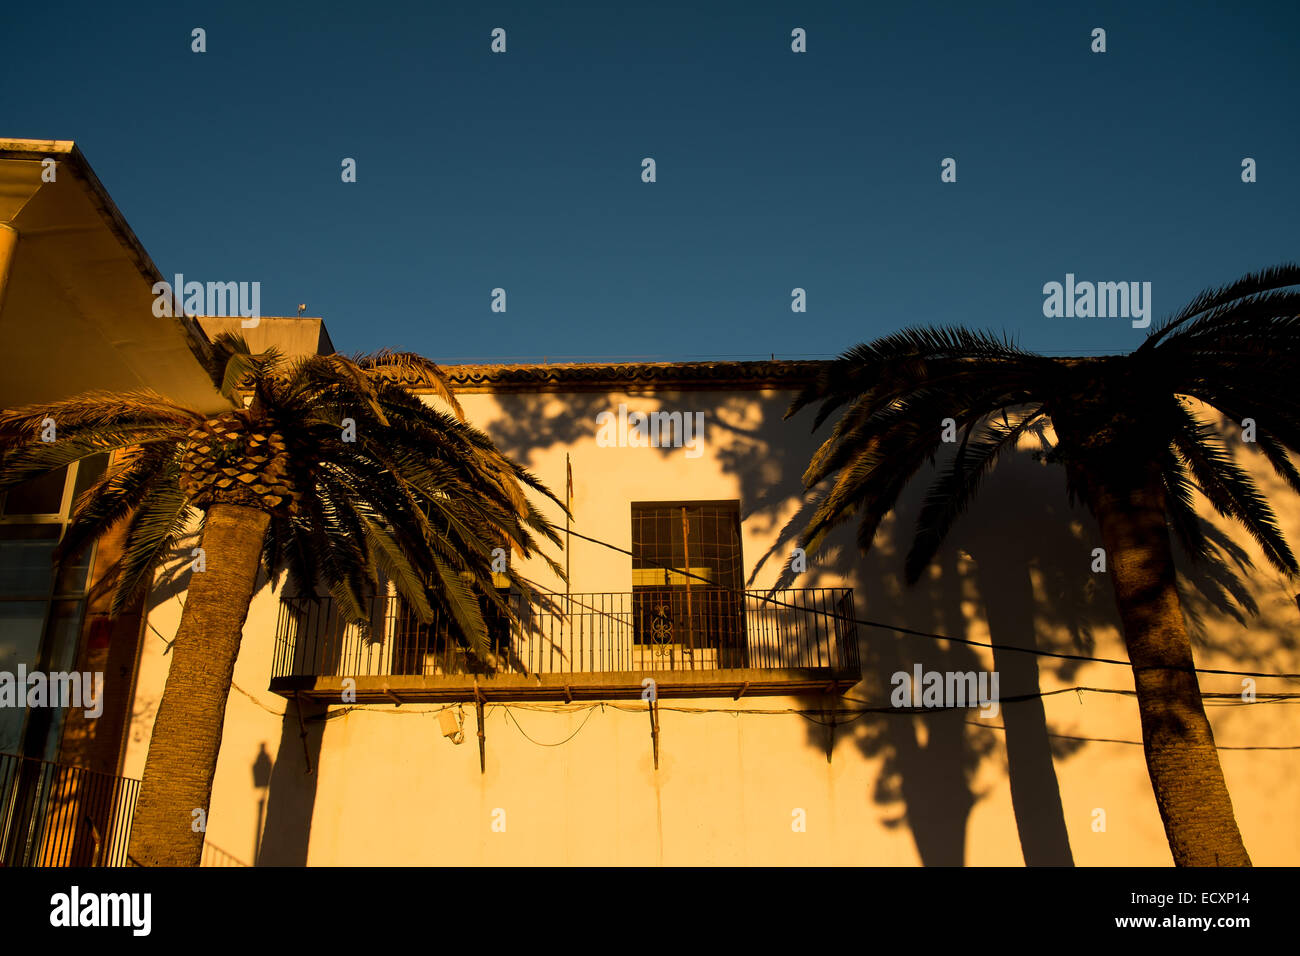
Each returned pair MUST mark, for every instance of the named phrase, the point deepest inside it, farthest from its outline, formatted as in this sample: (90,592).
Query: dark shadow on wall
(1028,553)
(1020,525)
(291,794)
(1006,589)
(1012,536)
(261,781)
(928,760)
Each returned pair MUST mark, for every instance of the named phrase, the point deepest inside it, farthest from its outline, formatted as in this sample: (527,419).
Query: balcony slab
(620,685)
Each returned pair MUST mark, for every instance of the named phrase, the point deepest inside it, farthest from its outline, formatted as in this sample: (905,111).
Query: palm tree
(326,468)
(1135,449)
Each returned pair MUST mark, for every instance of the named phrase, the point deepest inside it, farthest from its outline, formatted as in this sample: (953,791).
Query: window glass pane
(40,496)
(20,633)
(21,623)
(26,551)
(88,472)
(12,721)
(73,572)
(65,627)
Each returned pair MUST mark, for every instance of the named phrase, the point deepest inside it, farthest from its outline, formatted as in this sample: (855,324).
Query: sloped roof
(78,307)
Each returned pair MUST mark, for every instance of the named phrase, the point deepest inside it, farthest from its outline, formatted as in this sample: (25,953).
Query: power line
(561,743)
(913,632)
(277,713)
(852,715)
(1135,743)
(1221,699)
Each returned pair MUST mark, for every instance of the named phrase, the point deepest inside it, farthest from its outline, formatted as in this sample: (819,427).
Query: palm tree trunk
(187,732)
(1181,757)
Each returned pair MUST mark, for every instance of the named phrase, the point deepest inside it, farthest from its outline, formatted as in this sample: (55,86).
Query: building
(774,739)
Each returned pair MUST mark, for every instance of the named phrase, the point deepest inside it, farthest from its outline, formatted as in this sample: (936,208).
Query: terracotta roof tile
(632,376)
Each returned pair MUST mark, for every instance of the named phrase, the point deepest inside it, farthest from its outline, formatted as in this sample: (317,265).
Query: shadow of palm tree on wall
(928,761)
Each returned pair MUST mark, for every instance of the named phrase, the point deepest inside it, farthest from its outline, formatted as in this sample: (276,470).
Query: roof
(633,376)
(78,304)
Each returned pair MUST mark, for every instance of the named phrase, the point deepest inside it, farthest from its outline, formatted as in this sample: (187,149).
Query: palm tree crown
(360,477)
(325,467)
(1232,349)
(1136,448)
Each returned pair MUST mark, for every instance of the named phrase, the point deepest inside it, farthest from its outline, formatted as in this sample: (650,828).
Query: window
(41,606)
(687,578)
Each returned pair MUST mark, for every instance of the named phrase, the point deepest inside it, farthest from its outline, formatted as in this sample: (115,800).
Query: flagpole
(568,507)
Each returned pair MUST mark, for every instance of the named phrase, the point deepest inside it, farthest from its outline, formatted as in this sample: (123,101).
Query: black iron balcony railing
(56,815)
(646,630)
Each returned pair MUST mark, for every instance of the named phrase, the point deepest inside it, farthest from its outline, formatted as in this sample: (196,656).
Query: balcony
(701,642)
(56,815)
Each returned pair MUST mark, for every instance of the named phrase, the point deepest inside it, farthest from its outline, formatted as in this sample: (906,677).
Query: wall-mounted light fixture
(452,724)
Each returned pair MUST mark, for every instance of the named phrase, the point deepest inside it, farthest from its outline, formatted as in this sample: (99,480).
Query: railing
(215,856)
(56,815)
(649,629)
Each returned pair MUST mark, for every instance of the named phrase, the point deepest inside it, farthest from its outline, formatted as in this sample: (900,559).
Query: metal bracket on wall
(482,741)
(830,733)
(654,727)
(302,733)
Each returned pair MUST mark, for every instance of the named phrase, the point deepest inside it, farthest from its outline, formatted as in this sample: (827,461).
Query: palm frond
(1252,284)
(413,371)
(463,606)
(156,525)
(115,494)
(1231,491)
(93,410)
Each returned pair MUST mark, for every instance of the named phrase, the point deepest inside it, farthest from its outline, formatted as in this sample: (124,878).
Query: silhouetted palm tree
(333,471)
(1134,451)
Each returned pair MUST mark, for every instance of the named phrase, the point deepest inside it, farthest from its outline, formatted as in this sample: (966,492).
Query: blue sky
(775,170)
